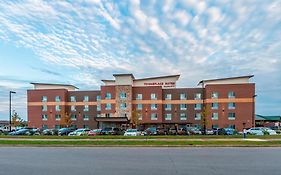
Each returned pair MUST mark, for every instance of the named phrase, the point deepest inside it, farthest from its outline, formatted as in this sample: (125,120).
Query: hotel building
(228,102)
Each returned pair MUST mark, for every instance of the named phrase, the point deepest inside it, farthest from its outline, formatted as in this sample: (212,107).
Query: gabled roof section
(54,84)
(225,79)
(118,75)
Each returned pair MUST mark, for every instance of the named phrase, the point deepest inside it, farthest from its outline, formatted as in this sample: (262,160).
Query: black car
(65,131)
(111,131)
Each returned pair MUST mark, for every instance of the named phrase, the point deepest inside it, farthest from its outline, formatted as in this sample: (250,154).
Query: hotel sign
(163,84)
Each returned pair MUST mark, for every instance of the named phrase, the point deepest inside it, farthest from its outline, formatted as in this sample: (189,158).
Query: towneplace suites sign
(163,84)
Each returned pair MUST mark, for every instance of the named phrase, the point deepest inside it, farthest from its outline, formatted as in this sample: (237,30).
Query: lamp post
(10,109)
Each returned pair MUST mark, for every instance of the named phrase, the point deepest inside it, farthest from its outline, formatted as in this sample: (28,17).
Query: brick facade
(102,108)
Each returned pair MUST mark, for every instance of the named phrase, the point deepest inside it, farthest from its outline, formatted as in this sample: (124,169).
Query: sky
(83,41)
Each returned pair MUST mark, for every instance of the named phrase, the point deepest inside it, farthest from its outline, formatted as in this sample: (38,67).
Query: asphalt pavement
(139,161)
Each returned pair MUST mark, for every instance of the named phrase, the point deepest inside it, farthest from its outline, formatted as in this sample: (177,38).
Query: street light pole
(10,106)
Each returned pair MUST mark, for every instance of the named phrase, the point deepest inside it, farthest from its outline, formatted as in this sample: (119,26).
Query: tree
(66,120)
(17,121)
(135,119)
(204,120)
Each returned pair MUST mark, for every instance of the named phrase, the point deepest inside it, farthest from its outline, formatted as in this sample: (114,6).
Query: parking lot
(164,161)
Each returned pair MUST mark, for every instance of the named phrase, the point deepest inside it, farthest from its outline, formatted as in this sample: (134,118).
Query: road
(139,161)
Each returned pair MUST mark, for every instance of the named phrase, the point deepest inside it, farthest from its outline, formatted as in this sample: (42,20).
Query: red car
(95,132)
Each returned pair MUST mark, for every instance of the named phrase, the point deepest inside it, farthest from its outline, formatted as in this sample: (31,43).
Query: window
(58,108)
(168,97)
(73,117)
(183,116)
(44,99)
(153,116)
(168,116)
(44,117)
(107,115)
(215,95)
(139,97)
(139,106)
(108,96)
(73,108)
(72,98)
(183,106)
(86,98)
(123,115)
(153,96)
(215,105)
(197,107)
(44,108)
(140,116)
(86,126)
(73,126)
(86,108)
(153,106)
(57,126)
(123,106)
(197,96)
(215,116)
(183,96)
(107,106)
(168,107)
(57,99)
(98,97)
(215,126)
(232,126)
(122,95)
(198,116)
(231,105)
(231,116)
(231,94)
(98,108)
(44,126)
(57,116)
(85,117)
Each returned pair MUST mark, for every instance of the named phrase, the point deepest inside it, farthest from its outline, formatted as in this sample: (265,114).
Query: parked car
(230,131)
(65,131)
(111,131)
(150,131)
(23,131)
(210,132)
(183,131)
(162,131)
(194,131)
(50,132)
(255,131)
(95,132)
(132,132)
(79,132)
(172,131)
(268,131)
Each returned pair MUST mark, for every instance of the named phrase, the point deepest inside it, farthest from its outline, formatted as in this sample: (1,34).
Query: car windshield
(79,130)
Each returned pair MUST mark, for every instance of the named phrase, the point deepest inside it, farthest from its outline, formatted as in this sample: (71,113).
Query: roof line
(57,84)
(228,78)
(167,76)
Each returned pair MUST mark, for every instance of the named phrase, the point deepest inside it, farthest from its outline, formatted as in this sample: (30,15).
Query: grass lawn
(166,143)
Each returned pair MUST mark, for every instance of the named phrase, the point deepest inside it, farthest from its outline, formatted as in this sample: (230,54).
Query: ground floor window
(44,127)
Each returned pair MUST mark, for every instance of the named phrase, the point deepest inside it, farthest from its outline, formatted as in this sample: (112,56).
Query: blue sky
(81,42)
